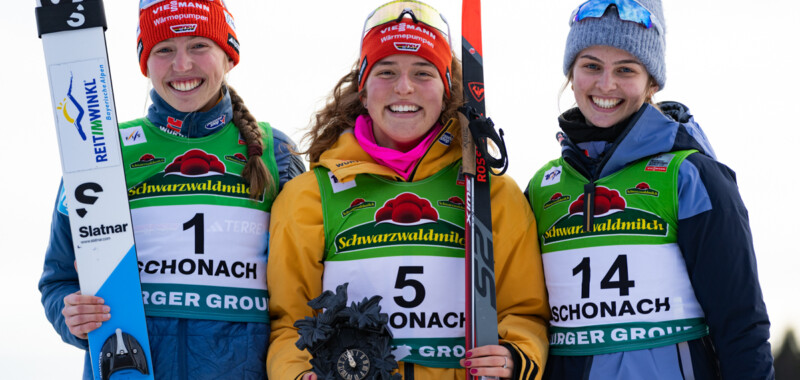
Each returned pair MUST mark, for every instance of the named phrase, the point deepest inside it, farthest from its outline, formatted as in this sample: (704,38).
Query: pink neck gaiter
(401,162)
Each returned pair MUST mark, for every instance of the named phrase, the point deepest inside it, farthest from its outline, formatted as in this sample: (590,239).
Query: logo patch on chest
(132,136)
(659,163)
(552,176)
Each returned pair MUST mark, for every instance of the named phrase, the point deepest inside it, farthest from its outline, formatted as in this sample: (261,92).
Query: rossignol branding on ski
(481,303)
(72,34)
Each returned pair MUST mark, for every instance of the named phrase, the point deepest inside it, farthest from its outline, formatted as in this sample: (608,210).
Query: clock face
(353,364)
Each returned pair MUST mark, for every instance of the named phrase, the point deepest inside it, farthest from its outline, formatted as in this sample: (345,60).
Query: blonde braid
(254,170)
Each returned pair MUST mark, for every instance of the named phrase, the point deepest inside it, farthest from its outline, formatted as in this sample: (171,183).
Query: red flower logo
(196,163)
(407,208)
(605,200)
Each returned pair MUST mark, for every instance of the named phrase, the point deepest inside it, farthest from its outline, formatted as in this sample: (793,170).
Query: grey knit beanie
(646,44)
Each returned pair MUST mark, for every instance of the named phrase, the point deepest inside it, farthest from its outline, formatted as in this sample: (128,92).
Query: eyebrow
(622,62)
(389,63)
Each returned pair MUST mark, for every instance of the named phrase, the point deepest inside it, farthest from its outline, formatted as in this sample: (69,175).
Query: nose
(606,81)
(182,61)
(404,84)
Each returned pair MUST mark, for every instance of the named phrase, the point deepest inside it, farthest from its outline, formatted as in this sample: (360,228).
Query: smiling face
(609,85)
(187,72)
(404,99)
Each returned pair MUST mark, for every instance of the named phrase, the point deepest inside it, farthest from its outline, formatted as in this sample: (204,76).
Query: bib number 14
(618,268)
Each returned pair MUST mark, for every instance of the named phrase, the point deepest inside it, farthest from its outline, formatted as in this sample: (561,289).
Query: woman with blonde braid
(201,174)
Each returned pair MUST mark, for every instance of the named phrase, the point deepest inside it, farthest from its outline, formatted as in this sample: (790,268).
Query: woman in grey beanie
(647,250)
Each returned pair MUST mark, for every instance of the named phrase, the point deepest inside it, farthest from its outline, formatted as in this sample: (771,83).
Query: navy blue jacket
(716,243)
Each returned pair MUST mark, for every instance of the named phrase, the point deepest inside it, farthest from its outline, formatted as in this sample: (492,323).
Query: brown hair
(344,106)
(255,171)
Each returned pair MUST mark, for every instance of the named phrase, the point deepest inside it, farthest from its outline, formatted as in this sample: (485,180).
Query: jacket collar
(346,158)
(190,124)
(650,132)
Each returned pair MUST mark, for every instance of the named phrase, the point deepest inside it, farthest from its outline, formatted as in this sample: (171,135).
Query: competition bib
(624,285)
(203,241)
(617,298)
(201,261)
(405,242)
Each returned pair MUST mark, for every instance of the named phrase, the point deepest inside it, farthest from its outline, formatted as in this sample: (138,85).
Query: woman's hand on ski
(83,314)
(310,376)
(490,360)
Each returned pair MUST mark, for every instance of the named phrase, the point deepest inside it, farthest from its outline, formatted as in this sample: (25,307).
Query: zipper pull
(588,207)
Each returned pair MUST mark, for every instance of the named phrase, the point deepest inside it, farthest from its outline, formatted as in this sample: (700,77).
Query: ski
(73,37)
(476,131)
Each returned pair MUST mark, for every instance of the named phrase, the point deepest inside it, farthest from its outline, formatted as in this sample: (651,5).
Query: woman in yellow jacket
(383,210)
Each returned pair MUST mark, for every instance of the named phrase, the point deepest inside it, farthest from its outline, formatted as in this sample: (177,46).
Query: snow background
(728,61)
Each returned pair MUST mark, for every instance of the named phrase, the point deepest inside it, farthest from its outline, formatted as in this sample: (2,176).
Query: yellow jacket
(297,245)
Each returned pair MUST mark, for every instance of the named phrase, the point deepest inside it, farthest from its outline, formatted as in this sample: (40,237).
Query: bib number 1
(199,229)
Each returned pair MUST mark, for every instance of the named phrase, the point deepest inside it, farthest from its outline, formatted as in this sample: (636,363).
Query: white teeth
(187,85)
(404,108)
(606,103)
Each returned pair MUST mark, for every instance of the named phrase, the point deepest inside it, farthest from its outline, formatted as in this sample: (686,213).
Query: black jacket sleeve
(718,248)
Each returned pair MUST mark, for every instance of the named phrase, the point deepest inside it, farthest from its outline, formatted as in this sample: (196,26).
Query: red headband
(162,20)
(405,37)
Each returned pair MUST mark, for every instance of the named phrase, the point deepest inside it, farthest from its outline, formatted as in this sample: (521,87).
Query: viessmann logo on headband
(403,27)
(174,6)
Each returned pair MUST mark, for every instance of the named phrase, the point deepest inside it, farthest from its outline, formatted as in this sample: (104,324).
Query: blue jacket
(181,348)
(716,243)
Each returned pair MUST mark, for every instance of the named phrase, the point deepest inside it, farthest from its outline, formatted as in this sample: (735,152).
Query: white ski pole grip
(58,16)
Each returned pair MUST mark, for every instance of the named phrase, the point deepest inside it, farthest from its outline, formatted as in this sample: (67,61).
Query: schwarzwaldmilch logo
(192,173)
(147,159)
(642,189)
(556,199)
(453,202)
(237,158)
(405,220)
(358,204)
(611,217)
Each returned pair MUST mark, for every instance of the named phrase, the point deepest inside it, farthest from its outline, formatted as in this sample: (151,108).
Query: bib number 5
(403,281)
